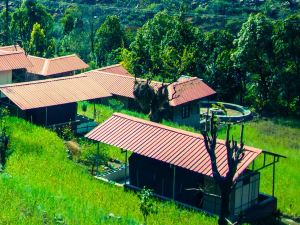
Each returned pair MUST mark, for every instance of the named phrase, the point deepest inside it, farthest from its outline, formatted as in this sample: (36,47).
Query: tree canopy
(26,16)
(110,36)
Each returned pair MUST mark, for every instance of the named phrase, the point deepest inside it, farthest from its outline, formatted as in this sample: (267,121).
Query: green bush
(115,104)
(84,107)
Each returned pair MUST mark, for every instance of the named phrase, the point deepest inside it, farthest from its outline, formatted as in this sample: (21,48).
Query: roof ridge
(179,131)
(120,75)
(42,81)
(186,80)
(108,73)
(51,59)
(111,66)
(15,47)
(61,57)
(10,52)
(38,57)
(45,66)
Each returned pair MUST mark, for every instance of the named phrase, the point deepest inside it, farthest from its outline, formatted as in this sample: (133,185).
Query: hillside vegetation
(247,51)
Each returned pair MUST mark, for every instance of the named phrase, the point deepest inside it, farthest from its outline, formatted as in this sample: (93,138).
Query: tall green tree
(286,41)
(7,22)
(109,37)
(26,16)
(219,71)
(37,40)
(165,48)
(253,55)
(5,19)
(72,19)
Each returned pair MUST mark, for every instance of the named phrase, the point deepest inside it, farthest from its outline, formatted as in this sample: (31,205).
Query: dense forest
(248,51)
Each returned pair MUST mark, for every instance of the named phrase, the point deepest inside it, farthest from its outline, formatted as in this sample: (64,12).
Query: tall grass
(41,186)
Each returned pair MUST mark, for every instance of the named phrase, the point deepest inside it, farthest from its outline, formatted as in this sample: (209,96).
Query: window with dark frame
(186,111)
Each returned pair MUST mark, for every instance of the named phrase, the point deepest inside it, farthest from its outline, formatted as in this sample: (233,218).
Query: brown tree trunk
(225,197)
(6,36)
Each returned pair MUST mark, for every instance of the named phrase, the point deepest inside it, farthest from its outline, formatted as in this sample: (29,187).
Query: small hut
(13,64)
(176,165)
(55,67)
(51,101)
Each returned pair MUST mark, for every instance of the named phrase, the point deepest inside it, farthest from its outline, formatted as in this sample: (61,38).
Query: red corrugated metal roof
(13,60)
(174,146)
(42,93)
(58,65)
(180,92)
(116,84)
(116,69)
(187,90)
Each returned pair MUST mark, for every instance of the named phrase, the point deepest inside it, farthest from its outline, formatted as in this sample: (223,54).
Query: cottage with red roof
(184,95)
(36,68)
(52,101)
(55,67)
(13,61)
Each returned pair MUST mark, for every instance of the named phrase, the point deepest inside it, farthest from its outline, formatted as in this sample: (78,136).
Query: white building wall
(244,195)
(5,78)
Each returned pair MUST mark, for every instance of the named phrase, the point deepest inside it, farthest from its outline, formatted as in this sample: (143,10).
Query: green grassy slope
(41,186)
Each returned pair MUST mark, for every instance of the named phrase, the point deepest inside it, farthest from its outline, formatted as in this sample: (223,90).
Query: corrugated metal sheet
(13,60)
(180,92)
(116,84)
(116,69)
(188,90)
(36,94)
(177,147)
(48,67)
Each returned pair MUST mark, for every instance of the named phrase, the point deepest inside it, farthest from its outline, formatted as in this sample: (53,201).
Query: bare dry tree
(235,153)
(153,102)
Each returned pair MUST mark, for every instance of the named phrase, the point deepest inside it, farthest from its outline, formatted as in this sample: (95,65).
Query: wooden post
(94,110)
(46,119)
(253,165)
(98,150)
(273,184)
(174,181)
(125,166)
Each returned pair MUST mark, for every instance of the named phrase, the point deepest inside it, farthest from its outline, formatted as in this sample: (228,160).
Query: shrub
(74,149)
(116,105)
(93,156)
(147,206)
(84,107)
